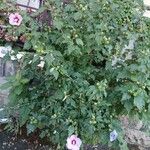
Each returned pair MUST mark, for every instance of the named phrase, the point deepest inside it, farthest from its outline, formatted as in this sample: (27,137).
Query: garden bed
(11,141)
(89,67)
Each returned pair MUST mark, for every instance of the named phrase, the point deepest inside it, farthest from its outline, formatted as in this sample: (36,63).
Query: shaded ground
(9,141)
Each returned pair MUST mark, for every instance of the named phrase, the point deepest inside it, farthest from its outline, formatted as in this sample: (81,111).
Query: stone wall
(6,69)
(136,133)
(3,93)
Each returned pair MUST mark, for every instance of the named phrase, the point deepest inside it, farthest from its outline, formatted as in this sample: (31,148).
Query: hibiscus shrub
(83,72)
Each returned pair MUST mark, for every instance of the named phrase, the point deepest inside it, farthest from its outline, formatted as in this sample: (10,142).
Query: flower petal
(113,136)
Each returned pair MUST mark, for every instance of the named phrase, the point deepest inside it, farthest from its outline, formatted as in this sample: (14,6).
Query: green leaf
(24,81)
(77,16)
(58,24)
(18,76)
(30,128)
(54,72)
(18,89)
(43,134)
(27,45)
(125,97)
(79,41)
(139,101)
(5,86)
(128,104)
(71,130)
(24,114)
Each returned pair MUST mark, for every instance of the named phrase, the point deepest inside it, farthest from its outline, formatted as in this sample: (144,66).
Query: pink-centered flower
(15,19)
(73,142)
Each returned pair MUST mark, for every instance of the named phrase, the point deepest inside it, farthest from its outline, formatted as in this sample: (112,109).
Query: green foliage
(89,79)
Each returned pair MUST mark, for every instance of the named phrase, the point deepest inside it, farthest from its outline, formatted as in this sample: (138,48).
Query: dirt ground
(9,141)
